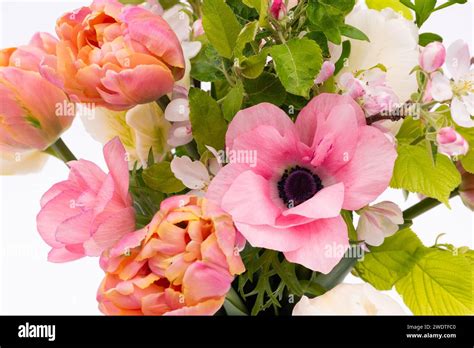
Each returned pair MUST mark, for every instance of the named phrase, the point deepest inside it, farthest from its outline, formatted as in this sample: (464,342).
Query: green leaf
(410,130)
(245,36)
(221,26)
(395,5)
(384,265)
(206,66)
(207,122)
(427,38)
(297,63)
(234,305)
(346,51)
(252,67)
(265,88)
(415,172)
(438,284)
(423,9)
(160,177)
(467,160)
(131,2)
(261,6)
(353,33)
(233,101)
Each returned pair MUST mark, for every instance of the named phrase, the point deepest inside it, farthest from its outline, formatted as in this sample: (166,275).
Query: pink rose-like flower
(30,106)
(90,211)
(451,143)
(432,57)
(290,198)
(182,263)
(115,56)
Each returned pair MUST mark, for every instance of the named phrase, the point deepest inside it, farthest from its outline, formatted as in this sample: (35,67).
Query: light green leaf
(395,5)
(261,6)
(221,26)
(160,177)
(233,101)
(252,67)
(467,161)
(297,63)
(265,88)
(206,66)
(207,122)
(415,172)
(439,284)
(391,261)
(245,36)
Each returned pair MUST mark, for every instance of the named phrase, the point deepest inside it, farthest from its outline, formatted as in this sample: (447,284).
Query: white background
(31,285)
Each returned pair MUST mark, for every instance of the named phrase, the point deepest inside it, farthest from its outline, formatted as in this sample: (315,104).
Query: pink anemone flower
(290,198)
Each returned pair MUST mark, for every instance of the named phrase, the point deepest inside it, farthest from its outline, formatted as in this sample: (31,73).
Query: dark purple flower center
(297,185)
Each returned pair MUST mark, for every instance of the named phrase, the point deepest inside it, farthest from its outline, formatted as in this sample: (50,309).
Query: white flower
(140,129)
(193,174)
(22,162)
(177,112)
(393,43)
(349,299)
(460,90)
(379,221)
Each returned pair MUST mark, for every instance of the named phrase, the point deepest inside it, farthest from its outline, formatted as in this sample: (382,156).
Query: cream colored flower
(22,162)
(140,129)
(393,43)
(349,299)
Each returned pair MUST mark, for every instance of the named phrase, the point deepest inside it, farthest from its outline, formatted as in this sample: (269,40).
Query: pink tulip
(432,57)
(327,70)
(278,9)
(290,198)
(90,211)
(182,263)
(115,56)
(30,106)
(451,143)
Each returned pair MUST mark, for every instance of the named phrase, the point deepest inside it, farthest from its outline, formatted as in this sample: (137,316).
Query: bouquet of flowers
(246,142)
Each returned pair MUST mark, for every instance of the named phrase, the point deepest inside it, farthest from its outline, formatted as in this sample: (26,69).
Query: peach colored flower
(116,56)
(29,115)
(89,211)
(182,263)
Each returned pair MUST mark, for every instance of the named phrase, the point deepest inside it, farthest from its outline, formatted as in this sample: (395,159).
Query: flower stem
(163,102)
(61,151)
(423,206)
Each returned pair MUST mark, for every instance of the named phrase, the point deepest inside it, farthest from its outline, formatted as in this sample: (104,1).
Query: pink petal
(458,59)
(76,229)
(114,154)
(318,110)
(255,116)
(324,245)
(86,175)
(223,180)
(369,172)
(62,255)
(248,200)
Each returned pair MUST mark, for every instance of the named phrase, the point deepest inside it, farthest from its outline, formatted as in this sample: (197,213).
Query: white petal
(21,163)
(458,59)
(440,87)
(193,174)
(177,110)
(460,114)
(191,48)
(468,101)
(390,210)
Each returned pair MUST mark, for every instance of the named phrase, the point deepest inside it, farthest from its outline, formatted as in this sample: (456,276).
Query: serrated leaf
(438,284)
(233,101)
(384,265)
(221,26)
(265,88)
(160,177)
(415,172)
(246,35)
(297,63)
(207,122)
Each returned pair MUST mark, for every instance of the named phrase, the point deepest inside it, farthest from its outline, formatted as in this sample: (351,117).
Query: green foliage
(160,178)
(297,63)
(265,88)
(353,33)
(346,52)
(207,121)
(431,281)
(395,5)
(426,38)
(221,26)
(425,8)
(253,66)
(207,65)
(415,172)
(467,160)
(232,103)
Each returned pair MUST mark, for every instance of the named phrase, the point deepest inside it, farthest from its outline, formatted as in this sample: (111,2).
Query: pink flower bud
(198,29)
(432,57)
(327,70)
(451,143)
(351,86)
(278,9)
